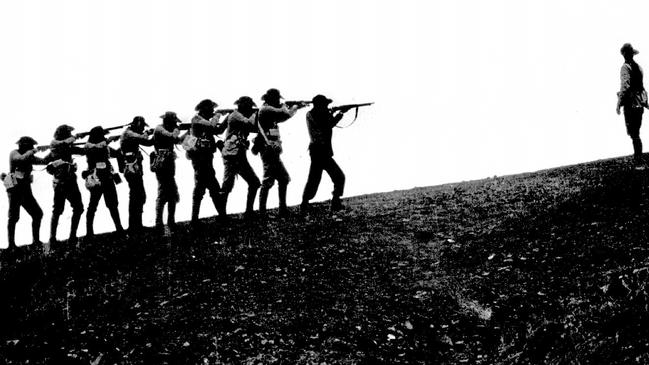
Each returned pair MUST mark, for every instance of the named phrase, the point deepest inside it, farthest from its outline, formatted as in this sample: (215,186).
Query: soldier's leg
(74,197)
(174,197)
(313,180)
(199,191)
(110,199)
(249,176)
(212,184)
(95,196)
(633,120)
(267,181)
(15,197)
(160,200)
(283,179)
(31,206)
(230,169)
(337,177)
(57,209)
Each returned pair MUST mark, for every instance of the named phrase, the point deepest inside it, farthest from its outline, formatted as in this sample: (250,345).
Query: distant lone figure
(633,98)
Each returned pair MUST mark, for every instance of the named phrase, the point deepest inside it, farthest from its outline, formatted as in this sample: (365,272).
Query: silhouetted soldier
(165,137)
(63,169)
(19,189)
(240,124)
(205,124)
(101,174)
(132,138)
(320,122)
(270,114)
(633,98)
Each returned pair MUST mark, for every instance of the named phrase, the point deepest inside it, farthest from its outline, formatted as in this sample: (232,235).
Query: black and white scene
(341,182)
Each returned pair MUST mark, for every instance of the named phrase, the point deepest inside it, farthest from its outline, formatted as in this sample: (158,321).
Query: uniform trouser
(21,196)
(273,170)
(108,191)
(136,200)
(319,163)
(205,179)
(239,165)
(167,194)
(66,190)
(633,120)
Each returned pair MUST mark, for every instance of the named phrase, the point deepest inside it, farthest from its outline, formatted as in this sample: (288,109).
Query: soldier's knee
(255,184)
(267,184)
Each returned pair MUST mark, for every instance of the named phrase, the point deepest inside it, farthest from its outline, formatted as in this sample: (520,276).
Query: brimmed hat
(139,119)
(245,100)
(206,104)
(26,140)
(62,130)
(628,48)
(321,99)
(170,116)
(271,93)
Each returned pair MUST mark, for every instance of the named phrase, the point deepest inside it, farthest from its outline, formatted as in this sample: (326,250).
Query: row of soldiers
(200,144)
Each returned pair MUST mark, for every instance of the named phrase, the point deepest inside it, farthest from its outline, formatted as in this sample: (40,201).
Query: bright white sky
(463,89)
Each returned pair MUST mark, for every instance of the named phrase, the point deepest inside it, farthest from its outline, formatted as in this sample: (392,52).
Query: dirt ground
(546,267)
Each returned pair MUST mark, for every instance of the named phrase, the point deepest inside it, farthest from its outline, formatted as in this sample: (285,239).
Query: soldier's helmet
(96,134)
(206,104)
(271,94)
(170,119)
(321,100)
(627,49)
(245,101)
(26,141)
(63,131)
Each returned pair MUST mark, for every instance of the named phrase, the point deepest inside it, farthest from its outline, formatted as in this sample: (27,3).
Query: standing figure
(133,137)
(320,122)
(19,188)
(165,137)
(205,124)
(271,113)
(63,169)
(240,124)
(100,178)
(633,97)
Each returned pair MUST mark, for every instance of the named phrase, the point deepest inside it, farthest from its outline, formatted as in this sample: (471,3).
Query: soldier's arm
(56,143)
(280,114)
(625,83)
(20,157)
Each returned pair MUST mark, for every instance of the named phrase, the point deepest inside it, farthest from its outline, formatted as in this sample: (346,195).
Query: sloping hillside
(547,267)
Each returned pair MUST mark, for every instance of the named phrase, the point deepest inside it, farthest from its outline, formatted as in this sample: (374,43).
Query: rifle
(346,107)
(85,134)
(299,103)
(46,147)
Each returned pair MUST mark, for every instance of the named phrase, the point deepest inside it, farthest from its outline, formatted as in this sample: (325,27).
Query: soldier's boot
(159,209)
(263,198)
(114,213)
(11,233)
(222,201)
(36,229)
(171,219)
(336,204)
(283,209)
(74,225)
(250,200)
(54,224)
(196,208)
(90,218)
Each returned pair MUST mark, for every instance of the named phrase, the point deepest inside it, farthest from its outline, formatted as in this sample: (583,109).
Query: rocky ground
(547,267)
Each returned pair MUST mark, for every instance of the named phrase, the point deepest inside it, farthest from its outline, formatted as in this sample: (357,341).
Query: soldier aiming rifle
(320,121)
